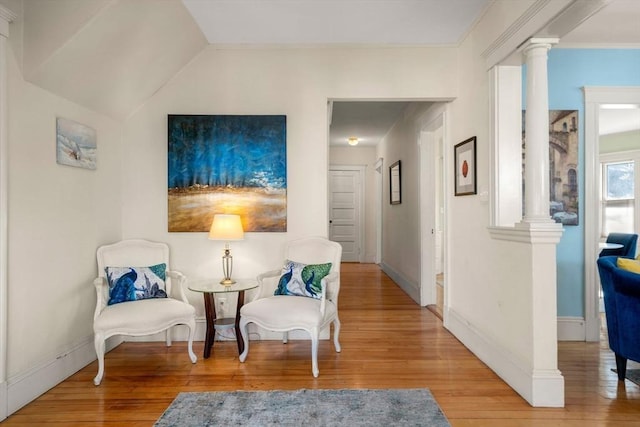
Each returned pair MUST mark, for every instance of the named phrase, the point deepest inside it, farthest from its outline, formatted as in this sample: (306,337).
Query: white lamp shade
(226,227)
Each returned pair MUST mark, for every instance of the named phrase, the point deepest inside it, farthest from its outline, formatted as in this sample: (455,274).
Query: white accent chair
(142,317)
(281,313)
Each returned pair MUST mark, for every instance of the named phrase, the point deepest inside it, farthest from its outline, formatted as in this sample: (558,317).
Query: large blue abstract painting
(227,164)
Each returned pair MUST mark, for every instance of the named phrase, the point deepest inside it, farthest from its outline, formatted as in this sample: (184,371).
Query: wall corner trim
(540,388)
(537,16)
(571,328)
(547,235)
(412,289)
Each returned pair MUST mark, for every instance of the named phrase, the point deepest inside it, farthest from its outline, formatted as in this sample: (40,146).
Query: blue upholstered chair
(628,242)
(621,290)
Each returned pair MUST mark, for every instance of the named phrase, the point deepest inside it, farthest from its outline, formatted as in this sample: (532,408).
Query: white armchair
(144,316)
(283,313)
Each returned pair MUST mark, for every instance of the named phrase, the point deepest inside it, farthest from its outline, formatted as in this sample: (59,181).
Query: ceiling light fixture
(353,141)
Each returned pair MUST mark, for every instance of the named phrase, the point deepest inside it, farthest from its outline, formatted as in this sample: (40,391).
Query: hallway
(387,340)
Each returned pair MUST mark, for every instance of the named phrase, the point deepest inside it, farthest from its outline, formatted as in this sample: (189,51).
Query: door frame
(594,96)
(6,17)
(426,143)
(362,170)
(379,202)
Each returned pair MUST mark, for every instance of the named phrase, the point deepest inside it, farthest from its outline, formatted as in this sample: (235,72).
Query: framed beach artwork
(76,144)
(227,164)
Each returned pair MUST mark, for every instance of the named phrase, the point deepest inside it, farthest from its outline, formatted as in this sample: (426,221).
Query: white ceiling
(62,39)
(617,120)
(340,22)
(391,22)
(370,22)
(368,121)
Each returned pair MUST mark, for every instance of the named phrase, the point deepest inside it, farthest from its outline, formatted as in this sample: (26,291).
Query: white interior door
(345,210)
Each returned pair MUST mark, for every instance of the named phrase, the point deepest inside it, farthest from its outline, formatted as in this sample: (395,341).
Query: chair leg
(192,330)
(99,344)
(168,337)
(336,335)
(285,337)
(621,367)
(245,338)
(314,352)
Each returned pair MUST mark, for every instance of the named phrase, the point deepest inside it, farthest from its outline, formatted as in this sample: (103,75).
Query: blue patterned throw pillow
(136,283)
(301,279)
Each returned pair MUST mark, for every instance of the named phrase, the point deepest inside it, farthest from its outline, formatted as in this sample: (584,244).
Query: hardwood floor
(387,342)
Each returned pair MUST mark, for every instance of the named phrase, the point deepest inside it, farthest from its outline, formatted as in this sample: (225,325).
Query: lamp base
(227,282)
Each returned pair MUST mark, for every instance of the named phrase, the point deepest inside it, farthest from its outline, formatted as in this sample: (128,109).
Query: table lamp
(226,227)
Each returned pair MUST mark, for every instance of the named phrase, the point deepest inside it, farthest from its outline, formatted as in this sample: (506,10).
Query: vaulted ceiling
(110,56)
(113,55)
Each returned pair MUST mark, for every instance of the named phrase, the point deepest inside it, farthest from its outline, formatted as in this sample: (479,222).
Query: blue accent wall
(569,70)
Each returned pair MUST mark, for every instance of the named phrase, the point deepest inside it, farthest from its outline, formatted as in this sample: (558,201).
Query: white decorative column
(541,232)
(6,17)
(537,132)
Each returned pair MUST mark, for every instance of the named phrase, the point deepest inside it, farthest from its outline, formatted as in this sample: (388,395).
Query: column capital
(538,42)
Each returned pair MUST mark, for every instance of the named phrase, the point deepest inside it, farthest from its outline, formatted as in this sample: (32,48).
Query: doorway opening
(432,215)
(595,99)
(406,237)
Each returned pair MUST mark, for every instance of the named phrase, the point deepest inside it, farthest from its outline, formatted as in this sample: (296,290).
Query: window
(573,180)
(618,197)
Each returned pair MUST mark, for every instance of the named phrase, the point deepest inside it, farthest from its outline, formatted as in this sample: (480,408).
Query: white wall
(58,216)
(362,156)
(401,223)
(473,291)
(294,82)
(490,304)
(622,141)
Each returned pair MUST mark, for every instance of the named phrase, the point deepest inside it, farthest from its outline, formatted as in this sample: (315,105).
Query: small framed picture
(465,167)
(75,144)
(395,189)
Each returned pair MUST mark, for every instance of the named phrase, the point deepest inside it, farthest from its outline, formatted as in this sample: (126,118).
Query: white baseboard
(572,329)
(369,259)
(411,289)
(4,412)
(25,387)
(540,389)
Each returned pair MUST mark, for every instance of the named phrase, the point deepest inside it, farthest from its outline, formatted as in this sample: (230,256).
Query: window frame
(606,159)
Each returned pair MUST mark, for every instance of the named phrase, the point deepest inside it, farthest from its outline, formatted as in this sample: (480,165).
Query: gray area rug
(400,407)
(632,375)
